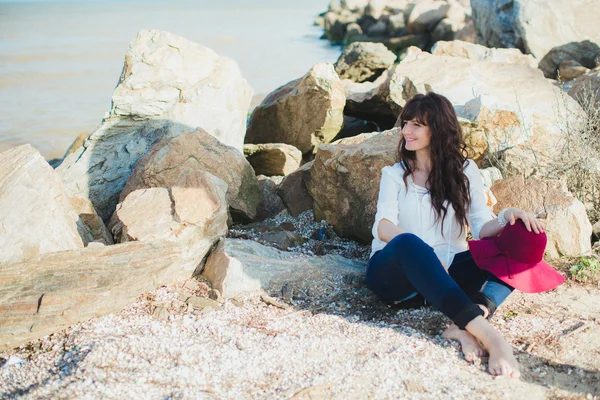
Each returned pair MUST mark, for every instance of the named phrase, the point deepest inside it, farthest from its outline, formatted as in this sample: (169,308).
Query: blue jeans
(407,266)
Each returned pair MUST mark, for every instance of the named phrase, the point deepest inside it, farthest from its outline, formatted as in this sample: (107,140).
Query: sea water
(61,59)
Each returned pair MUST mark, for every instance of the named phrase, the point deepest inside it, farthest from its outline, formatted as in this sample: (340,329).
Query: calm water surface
(60,60)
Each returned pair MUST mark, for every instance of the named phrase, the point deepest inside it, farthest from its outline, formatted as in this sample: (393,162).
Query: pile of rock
(398,24)
(153,192)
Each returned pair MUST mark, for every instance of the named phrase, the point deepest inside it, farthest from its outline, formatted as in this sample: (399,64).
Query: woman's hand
(531,222)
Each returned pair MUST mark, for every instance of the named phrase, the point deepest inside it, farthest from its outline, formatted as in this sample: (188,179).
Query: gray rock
(270,204)
(169,85)
(535,26)
(240,266)
(586,90)
(584,52)
(364,61)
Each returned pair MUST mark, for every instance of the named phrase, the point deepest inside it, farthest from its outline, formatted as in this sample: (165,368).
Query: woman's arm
(387,230)
(493,228)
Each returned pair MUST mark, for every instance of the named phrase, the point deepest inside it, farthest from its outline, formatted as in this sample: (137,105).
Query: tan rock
(304,113)
(49,292)
(238,266)
(169,85)
(36,215)
(182,162)
(273,158)
(87,213)
(292,190)
(471,51)
(569,70)
(344,181)
(564,217)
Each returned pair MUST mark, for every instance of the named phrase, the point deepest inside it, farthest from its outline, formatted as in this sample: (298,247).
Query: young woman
(419,247)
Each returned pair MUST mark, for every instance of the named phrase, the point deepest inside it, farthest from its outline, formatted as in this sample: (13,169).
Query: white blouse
(409,207)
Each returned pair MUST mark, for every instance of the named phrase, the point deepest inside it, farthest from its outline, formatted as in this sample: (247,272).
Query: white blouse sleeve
(479,213)
(387,202)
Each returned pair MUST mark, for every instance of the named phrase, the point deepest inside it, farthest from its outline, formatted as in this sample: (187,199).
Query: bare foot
(502,361)
(469,345)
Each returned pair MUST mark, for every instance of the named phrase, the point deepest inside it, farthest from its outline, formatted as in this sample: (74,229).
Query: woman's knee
(407,241)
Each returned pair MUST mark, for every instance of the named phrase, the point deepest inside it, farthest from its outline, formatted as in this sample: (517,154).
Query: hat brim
(526,277)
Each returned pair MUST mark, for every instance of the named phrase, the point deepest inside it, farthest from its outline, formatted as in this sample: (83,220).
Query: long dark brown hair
(447,180)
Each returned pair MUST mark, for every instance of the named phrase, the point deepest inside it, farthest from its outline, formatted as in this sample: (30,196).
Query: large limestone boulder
(304,113)
(362,61)
(535,26)
(471,51)
(183,160)
(172,213)
(510,104)
(49,292)
(273,158)
(169,85)
(344,181)
(585,53)
(564,217)
(36,214)
(239,267)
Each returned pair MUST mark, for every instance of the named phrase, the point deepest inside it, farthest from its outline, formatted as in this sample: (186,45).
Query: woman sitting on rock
(420,249)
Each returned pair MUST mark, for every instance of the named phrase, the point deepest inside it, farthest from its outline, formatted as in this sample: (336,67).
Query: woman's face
(416,135)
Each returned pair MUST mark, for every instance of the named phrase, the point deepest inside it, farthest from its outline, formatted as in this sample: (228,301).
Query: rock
(586,90)
(304,113)
(77,143)
(282,240)
(360,62)
(170,213)
(564,217)
(378,29)
(535,26)
(467,33)
(375,8)
(511,104)
(336,24)
(354,5)
(397,24)
(354,126)
(49,292)
(36,215)
(569,70)
(168,86)
(271,204)
(344,181)
(273,158)
(584,52)
(446,29)
(292,190)
(426,14)
(353,32)
(472,51)
(238,266)
(490,175)
(596,231)
(200,303)
(183,160)
(87,213)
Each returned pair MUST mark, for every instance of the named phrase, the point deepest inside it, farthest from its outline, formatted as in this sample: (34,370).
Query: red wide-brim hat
(516,258)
